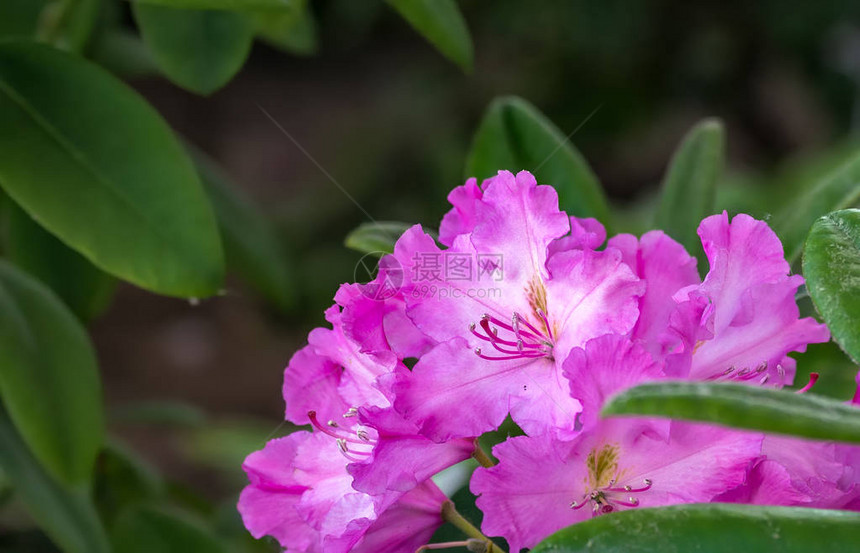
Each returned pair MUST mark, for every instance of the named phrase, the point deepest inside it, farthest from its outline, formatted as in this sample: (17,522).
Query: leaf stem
(450,514)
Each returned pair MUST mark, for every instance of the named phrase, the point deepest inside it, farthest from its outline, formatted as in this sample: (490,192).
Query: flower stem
(450,514)
(482,457)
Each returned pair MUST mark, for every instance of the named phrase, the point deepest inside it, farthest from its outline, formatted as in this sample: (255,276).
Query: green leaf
(20,18)
(514,135)
(840,189)
(294,32)
(442,24)
(123,53)
(709,528)
(68,24)
(250,242)
(740,406)
(124,480)
(49,381)
(150,529)
(376,237)
(831,265)
(199,50)
(689,186)
(237,5)
(85,289)
(96,166)
(66,515)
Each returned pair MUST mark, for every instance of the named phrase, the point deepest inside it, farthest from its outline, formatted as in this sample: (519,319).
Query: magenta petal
(453,393)
(527,495)
(311,383)
(585,234)
(461,219)
(773,331)
(401,457)
(273,513)
(521,220)
(666,267)
(542,485)
(590,294)
(406,525)
(268,503)
(742,253)
(605,366)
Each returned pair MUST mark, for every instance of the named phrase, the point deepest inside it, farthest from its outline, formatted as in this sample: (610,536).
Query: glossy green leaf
(68,24)
(234,5)
(740,406)
(293,31)
(150,529)
(84,288)
(442,24)
(199,50)
(49,381)
(66,515)
(376,237)
(689,186)
(839,189)
(95,165)
(710,528)
(514,135)
(251,243)
(831,265)
(123,53)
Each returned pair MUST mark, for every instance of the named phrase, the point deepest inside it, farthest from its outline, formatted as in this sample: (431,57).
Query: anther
(362,434)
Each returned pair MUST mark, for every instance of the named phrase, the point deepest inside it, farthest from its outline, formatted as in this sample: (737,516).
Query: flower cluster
(420,363)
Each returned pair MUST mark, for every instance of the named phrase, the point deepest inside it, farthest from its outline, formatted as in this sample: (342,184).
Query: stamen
(527,341)
(813,378)
(351,412)
(337,434)
(543,318)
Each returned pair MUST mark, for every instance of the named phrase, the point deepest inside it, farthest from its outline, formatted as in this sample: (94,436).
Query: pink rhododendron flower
(502,353)
(522,311)
(542,484)
(301,494)
(746,318)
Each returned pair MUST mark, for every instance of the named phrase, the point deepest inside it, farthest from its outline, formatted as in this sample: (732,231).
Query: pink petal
(401,457)
(585,234)
(527,495)
(741,254)
(453,393)
(311,383)
(666,267)
(466,201)
(605,366)
(590,294)
(773,331)
(521,220)
(268,503)
(408,524)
